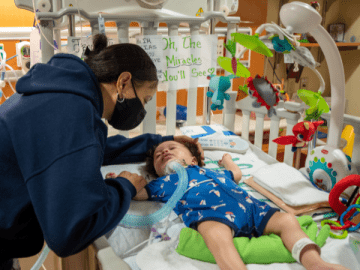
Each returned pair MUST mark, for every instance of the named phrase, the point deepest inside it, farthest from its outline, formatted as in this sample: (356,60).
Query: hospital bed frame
(106,257)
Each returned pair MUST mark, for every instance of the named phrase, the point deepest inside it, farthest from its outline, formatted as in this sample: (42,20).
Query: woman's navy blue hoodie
(52,145)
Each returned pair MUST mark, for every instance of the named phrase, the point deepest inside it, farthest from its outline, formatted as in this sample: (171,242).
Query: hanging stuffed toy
(265,93)
(219,84)
(303,133)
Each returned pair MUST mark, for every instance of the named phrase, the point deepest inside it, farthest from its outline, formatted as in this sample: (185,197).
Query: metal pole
(71,25)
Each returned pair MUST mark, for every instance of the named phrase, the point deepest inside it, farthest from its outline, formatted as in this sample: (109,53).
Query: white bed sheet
(162,255)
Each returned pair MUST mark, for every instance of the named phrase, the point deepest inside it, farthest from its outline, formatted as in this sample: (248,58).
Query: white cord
(52,45)
(77,5)
(9,82)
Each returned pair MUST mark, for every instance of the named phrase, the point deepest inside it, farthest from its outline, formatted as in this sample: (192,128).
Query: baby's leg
(288,228)
(218,238)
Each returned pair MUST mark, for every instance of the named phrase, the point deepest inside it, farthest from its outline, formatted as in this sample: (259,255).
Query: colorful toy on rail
(303,133)
(326,166)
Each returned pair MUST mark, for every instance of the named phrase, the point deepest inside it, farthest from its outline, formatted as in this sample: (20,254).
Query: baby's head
(161,154)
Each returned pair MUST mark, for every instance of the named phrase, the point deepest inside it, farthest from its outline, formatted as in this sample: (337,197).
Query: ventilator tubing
(41,259)
(136,222)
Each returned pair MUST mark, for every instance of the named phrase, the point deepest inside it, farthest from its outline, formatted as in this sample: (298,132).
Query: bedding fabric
(289,185)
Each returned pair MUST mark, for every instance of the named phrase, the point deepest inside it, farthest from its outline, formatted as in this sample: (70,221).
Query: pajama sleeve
(162,188)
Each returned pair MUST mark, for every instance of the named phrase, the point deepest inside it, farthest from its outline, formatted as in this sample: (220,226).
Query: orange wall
(11,16)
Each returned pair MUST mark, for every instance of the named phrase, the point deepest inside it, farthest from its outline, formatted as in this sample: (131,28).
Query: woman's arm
(230,165)
(120,149)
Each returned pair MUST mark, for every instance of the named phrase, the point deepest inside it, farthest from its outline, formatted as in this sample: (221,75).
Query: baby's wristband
(299,246)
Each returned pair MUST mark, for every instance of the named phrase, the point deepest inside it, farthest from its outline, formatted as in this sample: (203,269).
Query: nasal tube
(136,222)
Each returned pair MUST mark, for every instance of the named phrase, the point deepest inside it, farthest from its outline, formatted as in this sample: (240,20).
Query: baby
(219,209)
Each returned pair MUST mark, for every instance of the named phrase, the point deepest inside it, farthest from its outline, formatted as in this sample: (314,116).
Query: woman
(53,143)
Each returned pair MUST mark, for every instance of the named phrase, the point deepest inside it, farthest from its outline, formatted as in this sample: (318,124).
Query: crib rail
(292,118)
(355,122)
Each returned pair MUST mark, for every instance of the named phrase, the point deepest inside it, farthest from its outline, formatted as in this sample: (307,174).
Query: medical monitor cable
(51,44)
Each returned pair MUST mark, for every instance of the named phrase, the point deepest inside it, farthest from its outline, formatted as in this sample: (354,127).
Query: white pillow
(289,185)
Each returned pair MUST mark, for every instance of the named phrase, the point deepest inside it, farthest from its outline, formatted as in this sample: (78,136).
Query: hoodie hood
(64,73)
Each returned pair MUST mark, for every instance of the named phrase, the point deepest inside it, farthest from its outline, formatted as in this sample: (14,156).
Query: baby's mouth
(167,156)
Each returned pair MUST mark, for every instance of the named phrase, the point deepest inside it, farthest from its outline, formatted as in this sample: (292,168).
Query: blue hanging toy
(219,84)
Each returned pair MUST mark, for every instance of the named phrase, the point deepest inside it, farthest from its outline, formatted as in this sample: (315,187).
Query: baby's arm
(230,165)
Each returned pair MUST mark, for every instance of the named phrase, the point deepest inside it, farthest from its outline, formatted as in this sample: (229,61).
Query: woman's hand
(138,181)
(183,138)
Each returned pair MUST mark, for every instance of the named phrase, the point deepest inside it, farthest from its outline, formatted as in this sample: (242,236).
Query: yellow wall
(337,11)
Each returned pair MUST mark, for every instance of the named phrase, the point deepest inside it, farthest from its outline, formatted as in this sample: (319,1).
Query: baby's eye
(300,136)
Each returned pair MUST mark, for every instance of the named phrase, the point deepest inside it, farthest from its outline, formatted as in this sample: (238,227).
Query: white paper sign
(182,62)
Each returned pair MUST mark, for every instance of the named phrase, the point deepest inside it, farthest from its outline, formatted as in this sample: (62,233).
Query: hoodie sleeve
(60,157)
(120,150)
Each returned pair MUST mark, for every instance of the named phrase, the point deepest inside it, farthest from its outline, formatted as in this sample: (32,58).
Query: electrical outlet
(239,48)
(303,83)
(220,47)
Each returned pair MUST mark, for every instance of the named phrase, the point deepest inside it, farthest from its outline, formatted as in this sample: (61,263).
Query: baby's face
(171,150)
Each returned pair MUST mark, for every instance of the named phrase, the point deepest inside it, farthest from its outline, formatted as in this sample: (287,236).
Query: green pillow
(265,249)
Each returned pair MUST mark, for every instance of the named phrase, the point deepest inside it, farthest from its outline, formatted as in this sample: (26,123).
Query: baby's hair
(149,166)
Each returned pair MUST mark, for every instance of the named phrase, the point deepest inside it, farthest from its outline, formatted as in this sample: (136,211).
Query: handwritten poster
(182,62)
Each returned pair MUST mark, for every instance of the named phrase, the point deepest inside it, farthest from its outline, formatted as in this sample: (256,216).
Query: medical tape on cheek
(300,245)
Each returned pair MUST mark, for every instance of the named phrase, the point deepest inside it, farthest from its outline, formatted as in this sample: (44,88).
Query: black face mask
(128,113)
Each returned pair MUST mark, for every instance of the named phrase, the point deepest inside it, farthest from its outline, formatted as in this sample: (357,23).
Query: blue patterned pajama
(214,196)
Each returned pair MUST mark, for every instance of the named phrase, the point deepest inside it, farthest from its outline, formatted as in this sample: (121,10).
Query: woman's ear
(123,81)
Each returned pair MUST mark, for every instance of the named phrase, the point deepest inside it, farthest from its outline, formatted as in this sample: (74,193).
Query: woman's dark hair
(108,63)
(149,160)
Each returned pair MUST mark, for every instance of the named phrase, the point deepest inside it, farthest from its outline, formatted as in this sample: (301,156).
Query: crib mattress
(162,255)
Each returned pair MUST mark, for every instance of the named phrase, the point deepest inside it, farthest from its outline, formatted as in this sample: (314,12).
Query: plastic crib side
(107,259)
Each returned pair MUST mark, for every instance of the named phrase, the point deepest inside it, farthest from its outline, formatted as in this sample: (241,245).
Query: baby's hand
(110,175)
(225,159)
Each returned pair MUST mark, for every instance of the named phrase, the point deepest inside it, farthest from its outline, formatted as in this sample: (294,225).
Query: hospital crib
(149,24)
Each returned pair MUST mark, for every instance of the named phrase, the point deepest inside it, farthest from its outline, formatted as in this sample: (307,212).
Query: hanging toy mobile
(316,102)
(232,64)
(219,84)
(265,93)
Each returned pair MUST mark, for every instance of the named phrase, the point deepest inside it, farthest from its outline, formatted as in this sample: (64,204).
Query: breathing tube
(136,222)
